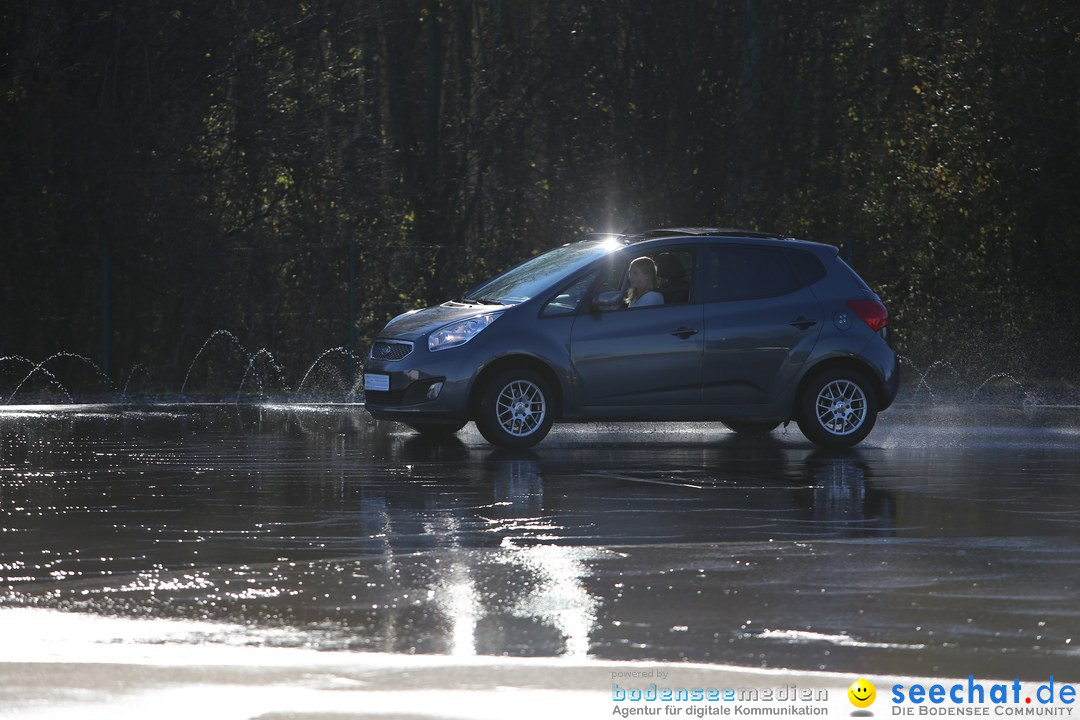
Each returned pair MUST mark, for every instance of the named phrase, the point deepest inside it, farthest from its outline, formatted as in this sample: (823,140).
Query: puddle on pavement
(947,544)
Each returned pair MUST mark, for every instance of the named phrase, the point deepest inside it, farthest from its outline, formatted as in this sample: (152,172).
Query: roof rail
(719,232)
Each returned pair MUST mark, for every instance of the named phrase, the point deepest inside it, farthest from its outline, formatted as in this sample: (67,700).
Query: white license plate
(374,381)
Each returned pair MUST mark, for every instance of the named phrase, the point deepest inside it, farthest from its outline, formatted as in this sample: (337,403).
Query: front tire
(837,408)
(516,409)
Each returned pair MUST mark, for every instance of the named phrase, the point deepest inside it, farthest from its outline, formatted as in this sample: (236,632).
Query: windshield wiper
(486,301)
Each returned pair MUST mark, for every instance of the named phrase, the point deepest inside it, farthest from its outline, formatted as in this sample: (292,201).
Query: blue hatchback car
(746,328)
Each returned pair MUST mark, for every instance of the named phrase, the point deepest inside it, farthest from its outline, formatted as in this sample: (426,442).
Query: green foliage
(228,154)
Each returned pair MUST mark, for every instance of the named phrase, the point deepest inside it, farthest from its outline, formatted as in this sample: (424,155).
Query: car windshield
(524,281)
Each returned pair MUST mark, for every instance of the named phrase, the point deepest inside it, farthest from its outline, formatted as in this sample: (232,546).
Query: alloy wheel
(841,407)
(520,408)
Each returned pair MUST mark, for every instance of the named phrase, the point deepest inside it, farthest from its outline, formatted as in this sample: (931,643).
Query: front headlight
(460,333)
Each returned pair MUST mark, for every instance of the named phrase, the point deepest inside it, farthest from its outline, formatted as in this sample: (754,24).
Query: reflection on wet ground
(946,544)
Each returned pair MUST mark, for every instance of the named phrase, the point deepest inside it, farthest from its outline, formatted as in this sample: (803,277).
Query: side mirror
(607,301)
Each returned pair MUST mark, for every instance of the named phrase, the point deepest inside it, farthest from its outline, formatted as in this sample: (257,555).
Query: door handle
(684,332)
(803,323)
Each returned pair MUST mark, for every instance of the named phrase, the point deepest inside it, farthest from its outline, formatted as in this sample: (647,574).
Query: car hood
(416,324)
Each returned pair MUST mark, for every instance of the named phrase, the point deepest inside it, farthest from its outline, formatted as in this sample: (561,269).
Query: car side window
(747,272)
(807,265)
(674,274)
(567,300)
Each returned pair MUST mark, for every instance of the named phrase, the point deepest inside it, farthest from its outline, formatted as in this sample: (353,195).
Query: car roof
(711,232)
(702,234)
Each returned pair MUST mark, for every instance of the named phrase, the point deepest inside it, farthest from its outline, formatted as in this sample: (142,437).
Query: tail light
(872,313)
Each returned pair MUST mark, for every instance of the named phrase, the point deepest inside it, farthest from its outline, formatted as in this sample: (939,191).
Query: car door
(761,321)
(648,357)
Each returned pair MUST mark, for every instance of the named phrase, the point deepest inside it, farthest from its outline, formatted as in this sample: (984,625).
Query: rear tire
(837,408)
(516,409)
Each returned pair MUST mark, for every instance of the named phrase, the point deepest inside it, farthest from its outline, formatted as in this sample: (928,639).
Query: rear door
(761,321)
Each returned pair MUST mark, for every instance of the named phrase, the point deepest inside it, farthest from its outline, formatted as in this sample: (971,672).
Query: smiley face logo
(862,693)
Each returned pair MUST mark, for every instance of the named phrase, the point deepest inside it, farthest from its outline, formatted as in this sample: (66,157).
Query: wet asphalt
(947,544)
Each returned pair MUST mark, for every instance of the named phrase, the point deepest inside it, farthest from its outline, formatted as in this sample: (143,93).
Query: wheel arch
(515,361)
(877,385)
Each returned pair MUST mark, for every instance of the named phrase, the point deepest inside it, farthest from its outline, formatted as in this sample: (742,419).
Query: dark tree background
(227,164)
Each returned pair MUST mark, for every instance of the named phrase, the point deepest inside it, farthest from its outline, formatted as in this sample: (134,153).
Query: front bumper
(422,386)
